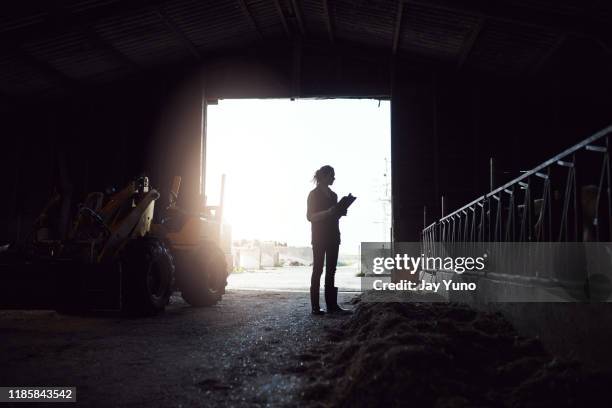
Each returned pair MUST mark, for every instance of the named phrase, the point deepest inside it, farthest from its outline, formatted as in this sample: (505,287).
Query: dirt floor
(263,348)
(242,352)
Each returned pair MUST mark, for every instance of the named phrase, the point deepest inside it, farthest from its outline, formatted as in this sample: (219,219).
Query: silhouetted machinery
(114,257)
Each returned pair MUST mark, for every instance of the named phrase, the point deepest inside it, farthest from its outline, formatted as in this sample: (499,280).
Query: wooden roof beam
(46,69)
(521,14)
(469,42)
(283,20)
(58,14)
(298,16)
(398,27)
(178,33)
(98,42)
(548,54)
(328,21)
(75,21)
(249,16)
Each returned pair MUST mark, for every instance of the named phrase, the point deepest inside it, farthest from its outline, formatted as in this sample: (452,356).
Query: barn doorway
(268,150)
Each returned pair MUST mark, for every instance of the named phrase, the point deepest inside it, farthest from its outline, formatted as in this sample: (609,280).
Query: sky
(269,150)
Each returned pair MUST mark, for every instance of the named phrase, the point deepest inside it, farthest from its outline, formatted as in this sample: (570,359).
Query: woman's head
(325,176)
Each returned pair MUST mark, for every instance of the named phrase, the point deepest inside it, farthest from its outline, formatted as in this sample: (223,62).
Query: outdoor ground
(292,278)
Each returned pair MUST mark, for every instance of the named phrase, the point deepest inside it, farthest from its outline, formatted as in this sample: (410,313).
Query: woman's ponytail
(322,172)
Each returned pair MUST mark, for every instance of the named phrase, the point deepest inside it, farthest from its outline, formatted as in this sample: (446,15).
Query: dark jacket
(326,231)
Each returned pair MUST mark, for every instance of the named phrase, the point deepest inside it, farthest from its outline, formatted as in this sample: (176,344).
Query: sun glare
(269,150)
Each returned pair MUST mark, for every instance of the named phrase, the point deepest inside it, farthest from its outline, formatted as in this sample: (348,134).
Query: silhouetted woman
(323,214)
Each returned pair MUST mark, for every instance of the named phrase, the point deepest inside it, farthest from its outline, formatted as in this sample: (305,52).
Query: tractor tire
(147,270)
(203,275)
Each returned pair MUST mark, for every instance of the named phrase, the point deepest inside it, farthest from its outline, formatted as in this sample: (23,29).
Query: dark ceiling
(53,45)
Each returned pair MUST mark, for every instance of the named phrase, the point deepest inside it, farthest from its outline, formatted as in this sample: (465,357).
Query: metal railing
(564,199)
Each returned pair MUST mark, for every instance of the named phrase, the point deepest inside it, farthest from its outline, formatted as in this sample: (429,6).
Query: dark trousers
(321,253)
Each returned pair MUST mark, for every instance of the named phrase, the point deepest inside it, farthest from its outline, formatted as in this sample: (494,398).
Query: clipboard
(346,202)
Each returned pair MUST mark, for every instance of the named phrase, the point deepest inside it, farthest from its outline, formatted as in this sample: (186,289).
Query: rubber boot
(331,301)
(314,301)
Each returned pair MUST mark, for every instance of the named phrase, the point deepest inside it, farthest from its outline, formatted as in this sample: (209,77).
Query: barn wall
(446,126)
(107,135)
(73,146)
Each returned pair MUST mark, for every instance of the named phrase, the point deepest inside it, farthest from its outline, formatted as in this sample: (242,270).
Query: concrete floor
(242,352)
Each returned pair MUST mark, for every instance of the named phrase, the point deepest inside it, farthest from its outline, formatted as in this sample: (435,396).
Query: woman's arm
(319,215)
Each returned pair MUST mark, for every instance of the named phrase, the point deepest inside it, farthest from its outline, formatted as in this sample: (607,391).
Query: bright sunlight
(269,151)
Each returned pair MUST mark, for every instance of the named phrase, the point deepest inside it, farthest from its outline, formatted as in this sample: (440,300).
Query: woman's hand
(338,212)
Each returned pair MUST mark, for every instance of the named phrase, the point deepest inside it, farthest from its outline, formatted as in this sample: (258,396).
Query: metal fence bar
(526,208)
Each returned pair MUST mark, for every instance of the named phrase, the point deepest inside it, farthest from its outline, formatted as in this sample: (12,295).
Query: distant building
(256,254)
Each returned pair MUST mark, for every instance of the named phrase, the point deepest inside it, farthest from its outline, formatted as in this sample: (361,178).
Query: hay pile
(441,355)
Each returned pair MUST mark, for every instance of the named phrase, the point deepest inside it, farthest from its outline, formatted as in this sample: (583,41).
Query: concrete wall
(265,256)
(573,330)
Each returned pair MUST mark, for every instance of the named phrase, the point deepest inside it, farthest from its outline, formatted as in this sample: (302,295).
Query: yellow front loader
(116,258)
(200,246)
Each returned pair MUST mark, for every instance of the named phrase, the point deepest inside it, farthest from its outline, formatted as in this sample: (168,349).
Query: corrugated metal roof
(73,55)
(568,7)
(83,5)
(210,25)
(510,49)
(314,18)
(267,18)
(140,34)
(367,22)
(142,37)
(435,32)
(17,78)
